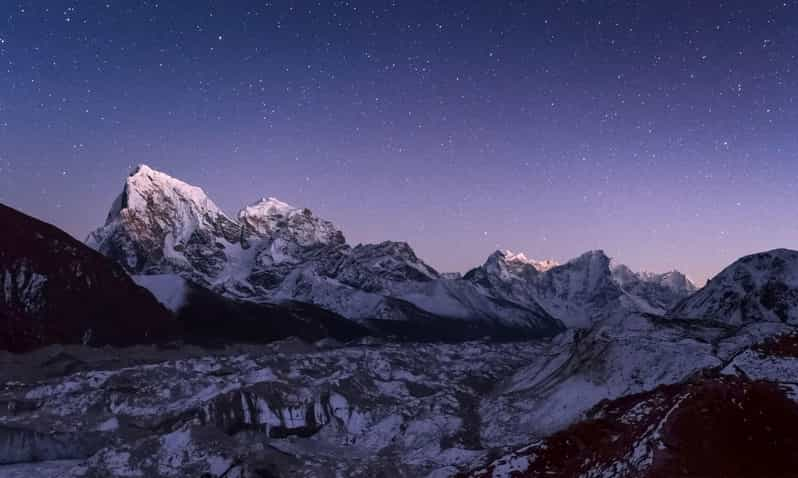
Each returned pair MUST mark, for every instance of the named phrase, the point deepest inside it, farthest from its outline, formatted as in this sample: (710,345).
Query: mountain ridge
(272,251)
(275,252)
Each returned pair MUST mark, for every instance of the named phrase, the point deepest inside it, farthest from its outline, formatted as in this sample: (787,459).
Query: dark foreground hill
(54,289)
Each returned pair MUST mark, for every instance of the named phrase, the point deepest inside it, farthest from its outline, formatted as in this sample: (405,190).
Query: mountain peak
(520,258)
(674,280)
(141,169)
(152,221)
(755,288)
(267,206)
(596,258)
(146,185)
(270,217)
(594,253)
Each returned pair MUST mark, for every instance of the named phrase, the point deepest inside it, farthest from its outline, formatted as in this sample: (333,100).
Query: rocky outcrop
(582,291)
(660,292)
(712,427)
(54,289)
(759,287)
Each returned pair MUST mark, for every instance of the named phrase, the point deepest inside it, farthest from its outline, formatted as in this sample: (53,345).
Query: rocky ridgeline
(274,252)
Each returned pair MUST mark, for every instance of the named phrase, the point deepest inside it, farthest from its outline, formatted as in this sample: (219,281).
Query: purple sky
(661,132)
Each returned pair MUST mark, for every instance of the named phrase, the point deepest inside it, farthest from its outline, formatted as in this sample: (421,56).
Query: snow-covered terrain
(355,411)
(274,252)
(358,410)
(582,291)
(171,290)
(740,419)
(759,287)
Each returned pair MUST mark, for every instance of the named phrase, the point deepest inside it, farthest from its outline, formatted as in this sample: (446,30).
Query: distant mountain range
(272,252)
(585,368)
(280,263)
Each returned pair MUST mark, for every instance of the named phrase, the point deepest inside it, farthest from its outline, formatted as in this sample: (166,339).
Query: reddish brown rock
(54,289)
(724,427)
(782,346)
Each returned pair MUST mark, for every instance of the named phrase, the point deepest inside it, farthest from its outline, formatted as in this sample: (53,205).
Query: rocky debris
(406,410)
(579,369)
(358,411)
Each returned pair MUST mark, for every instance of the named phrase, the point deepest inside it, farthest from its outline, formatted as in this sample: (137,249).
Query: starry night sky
(663,132)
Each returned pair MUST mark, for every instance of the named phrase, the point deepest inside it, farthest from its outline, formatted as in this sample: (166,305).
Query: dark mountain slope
(54,289)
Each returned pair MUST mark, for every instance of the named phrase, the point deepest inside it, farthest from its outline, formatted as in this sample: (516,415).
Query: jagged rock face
(285,239)
(521,259)
(375,267)
(53,289)
(578,293)
(584,290)
(661,291)
(274,252)
(506,265)
(759,287)
(164,225)
(508,276)
(740,422)
(272,218)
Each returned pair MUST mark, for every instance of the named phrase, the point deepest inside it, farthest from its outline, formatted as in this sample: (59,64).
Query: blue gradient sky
(661,132)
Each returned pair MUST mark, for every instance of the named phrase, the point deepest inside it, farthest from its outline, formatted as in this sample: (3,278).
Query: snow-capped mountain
(273,252)
(582,291)
(272,218)
(759,287)
(377,267)
(53,289)
(519,258)
(660,291)
(159,224)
